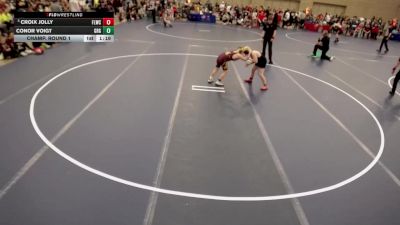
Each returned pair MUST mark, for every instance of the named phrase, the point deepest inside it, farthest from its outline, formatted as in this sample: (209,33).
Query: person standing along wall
(152,8)
(386,36)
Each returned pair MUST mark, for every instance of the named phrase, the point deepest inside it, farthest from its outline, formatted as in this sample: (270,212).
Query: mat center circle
(198,195)
(200,30)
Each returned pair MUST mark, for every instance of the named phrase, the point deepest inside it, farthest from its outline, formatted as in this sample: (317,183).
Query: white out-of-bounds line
(293,39)
(208,90)
(151,207)
(21,172)
(197,39)
(390,83)
(359,92)
(278,164)
(345,128)
(22,90)
(362,71)
(208,87)
(199,46)
(204,30)
(229,27)
(366,60)
(204,46)
(64,129)
(349,58)
(240,29)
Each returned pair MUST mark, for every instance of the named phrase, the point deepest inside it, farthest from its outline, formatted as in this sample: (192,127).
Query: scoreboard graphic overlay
(64,27)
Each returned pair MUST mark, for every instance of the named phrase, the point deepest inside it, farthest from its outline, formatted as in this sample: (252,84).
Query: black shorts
(262,61)
(223,65)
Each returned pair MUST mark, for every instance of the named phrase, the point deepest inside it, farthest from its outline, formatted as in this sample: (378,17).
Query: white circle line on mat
(198,195)
(336,48)
(198,39)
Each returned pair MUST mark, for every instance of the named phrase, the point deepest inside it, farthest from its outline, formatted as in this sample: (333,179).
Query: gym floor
(130,132)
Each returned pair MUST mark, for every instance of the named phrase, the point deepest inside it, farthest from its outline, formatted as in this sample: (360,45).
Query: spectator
(261,15)
(367,31)
(222,7)
(386,36)
(286,19)
(129,12)
(302,17)
(225,18)
(142,11)
(55,6)
(76,5)
(5,17)
(254,18)
(374,31)
(8,50)
(167,17)
(359,30)
(22,5)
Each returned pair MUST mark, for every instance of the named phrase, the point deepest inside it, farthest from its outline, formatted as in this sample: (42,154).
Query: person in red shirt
(278,18)
(261,15)
(367,31)
(374,31)
(175,10)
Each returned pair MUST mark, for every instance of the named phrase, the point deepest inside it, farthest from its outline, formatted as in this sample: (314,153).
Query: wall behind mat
(364,8)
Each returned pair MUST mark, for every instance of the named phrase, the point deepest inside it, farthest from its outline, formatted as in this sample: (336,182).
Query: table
(395,37)
(205,18)
(315,27)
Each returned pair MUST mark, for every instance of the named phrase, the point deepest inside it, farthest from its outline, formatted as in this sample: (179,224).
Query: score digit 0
(108,30)
(108,21)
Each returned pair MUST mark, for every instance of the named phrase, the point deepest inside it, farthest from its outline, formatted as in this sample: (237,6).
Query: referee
(269,35)
(153,10)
